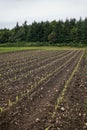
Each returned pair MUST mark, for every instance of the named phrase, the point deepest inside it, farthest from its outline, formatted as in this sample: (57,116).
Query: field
(43,89)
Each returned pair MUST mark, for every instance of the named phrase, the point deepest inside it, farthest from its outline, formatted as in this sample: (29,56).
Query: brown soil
(34,111)
(10,87)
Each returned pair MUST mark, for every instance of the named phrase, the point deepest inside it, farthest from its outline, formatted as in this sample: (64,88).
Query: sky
(13,11)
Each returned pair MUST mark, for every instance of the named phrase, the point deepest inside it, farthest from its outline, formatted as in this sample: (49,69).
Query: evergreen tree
(70,31)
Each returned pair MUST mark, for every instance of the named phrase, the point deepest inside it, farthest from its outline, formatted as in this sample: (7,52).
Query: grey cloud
(12,11)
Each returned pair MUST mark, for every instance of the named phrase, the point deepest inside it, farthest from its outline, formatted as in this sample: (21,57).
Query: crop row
(33,74)
(28,61)
(15,66)
(7,59)
(17,72)
(39,81)
(61,97)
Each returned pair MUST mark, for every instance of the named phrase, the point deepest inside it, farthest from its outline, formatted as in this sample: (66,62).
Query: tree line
(68,31)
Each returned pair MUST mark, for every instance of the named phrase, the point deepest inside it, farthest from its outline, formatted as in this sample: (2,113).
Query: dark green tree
(52,37)
(70,31)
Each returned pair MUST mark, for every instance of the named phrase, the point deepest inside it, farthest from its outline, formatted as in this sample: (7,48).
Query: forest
(68,31)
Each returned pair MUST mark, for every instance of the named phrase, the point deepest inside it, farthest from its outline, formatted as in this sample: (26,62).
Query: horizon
(42,21)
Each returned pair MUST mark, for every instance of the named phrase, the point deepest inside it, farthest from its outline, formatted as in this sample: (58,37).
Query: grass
(17,46)
(12,49)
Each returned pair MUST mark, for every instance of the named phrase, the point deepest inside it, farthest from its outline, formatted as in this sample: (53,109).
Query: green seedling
(1,109)
(85,106)
(9,103)
(48,128)
(17,98)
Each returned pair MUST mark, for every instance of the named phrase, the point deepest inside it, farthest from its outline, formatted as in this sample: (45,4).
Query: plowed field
(34,86)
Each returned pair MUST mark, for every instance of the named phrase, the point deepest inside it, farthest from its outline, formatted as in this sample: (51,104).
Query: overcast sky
(12,11)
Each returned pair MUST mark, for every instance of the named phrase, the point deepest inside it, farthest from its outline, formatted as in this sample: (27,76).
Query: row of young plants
(62,95)
(23,69)
(27,62)
(17,88)
(23,66)
(35,84)
(34,76)
(33,73)
(34,65)
(18,57)
(19,60)
(8,69)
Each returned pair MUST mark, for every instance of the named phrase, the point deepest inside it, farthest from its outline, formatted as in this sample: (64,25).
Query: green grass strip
(12,49)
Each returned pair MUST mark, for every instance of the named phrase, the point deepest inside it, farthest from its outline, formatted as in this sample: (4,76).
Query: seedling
(9,103)
(17,98)
(1,109)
